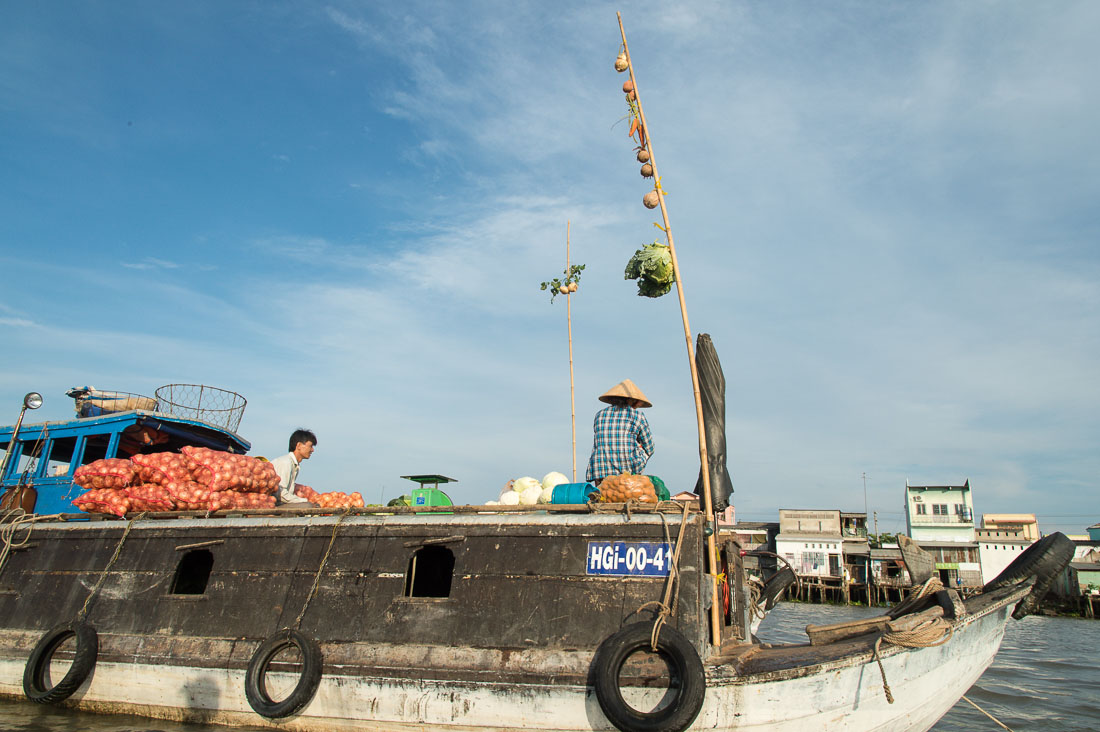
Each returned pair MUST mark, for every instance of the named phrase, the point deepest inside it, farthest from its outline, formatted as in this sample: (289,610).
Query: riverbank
(1057,607)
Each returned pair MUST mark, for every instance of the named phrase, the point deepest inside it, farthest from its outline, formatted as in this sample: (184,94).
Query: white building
(940,518)
(1002,537)
(811,541)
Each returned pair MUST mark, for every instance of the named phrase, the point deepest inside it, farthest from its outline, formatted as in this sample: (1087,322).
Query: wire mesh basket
(206,403)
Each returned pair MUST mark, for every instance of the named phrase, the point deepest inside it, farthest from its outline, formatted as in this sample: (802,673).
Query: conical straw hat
(627,389)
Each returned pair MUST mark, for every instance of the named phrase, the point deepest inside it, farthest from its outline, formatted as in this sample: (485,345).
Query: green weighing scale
(428,494)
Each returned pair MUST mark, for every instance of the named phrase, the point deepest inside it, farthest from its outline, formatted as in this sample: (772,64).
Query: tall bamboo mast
(569,321)
(708,503)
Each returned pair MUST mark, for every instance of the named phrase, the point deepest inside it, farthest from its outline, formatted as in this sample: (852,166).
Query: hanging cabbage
(652,267)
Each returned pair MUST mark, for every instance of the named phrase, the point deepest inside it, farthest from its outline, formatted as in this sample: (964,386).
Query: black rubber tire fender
(1044,560)
(1022,567)
(683,661)
(775,586)
(34,674)
(254,685)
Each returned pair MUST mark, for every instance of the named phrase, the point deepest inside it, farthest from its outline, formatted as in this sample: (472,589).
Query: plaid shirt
(622,444)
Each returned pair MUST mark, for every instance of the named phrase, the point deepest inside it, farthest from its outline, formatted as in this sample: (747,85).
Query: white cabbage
(530,496)
(552,479)
(509,498)
(519,485)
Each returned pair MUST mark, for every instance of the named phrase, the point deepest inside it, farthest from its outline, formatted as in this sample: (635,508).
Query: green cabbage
(652,267)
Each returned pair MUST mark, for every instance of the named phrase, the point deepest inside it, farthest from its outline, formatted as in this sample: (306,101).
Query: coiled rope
(931,632)
(13,521)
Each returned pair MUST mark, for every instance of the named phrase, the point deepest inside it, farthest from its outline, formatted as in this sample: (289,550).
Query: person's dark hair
(301,435)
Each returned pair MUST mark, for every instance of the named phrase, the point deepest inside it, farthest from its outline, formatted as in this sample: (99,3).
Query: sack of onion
(625,488)
(220,500)
(103,500)
(109,473)
(224,471)
(161,467)
(150,497)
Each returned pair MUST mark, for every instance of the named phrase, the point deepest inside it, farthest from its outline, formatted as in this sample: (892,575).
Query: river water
(1045,678)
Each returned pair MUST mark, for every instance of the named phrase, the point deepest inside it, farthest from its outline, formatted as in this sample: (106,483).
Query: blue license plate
(629,558)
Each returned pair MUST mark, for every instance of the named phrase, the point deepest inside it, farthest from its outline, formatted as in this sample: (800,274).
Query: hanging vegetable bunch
(652,264)
(567,284)
(652,267)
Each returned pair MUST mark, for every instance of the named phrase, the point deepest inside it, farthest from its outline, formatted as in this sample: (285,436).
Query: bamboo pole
(704,461)
(569,321)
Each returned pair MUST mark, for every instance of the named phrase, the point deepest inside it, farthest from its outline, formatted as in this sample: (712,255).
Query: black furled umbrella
(712,389)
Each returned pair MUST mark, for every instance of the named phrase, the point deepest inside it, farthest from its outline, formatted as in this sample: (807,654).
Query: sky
(885,216)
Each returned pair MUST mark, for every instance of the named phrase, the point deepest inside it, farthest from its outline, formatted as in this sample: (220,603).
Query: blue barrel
(572,493)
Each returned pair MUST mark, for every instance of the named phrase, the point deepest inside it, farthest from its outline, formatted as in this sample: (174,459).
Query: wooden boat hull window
(193,573)
(431,569)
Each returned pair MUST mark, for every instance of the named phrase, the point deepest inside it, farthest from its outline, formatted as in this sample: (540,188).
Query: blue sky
(885,213)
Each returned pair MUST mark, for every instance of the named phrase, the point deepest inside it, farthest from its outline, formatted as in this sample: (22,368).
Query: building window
(939,509)
(922,509)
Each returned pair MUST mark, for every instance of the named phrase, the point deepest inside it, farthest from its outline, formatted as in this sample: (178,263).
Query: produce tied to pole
(652,267)
(567,284)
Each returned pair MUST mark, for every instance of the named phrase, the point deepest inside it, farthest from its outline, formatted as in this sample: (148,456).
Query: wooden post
(704,462)
(569,322)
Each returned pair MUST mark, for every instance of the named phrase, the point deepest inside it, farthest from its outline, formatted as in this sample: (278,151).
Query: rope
(971,702)
(80,616)
(666,610)
(930,587)
(932,632)
(797,579)
(13,521)
(320,569)
(756,590)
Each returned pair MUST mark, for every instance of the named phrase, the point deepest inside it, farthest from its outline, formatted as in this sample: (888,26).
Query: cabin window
(430,571)
(193,573)
(61,452)
(95,448)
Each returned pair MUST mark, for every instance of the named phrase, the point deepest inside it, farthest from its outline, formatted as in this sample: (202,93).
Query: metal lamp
(32,400)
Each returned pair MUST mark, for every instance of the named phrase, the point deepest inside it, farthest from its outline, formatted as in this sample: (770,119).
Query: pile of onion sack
(196,479)
(329,500)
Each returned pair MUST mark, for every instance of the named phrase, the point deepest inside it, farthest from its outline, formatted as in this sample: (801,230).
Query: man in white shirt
(302,444)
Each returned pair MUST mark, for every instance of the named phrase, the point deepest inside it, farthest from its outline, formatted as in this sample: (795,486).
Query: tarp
(712,389)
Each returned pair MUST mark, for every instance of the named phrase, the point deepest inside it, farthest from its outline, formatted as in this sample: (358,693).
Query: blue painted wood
(50,441)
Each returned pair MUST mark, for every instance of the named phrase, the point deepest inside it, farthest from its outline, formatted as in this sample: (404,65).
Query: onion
(628,86)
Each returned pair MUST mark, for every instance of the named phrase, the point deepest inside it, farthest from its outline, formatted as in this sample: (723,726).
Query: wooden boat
(462,618)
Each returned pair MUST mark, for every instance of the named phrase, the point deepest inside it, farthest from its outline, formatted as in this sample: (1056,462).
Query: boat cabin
(45,455)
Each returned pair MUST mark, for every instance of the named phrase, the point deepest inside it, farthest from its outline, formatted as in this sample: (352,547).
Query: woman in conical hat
(622,440)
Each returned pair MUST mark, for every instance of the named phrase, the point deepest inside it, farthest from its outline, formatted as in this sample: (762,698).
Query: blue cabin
(46,454)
